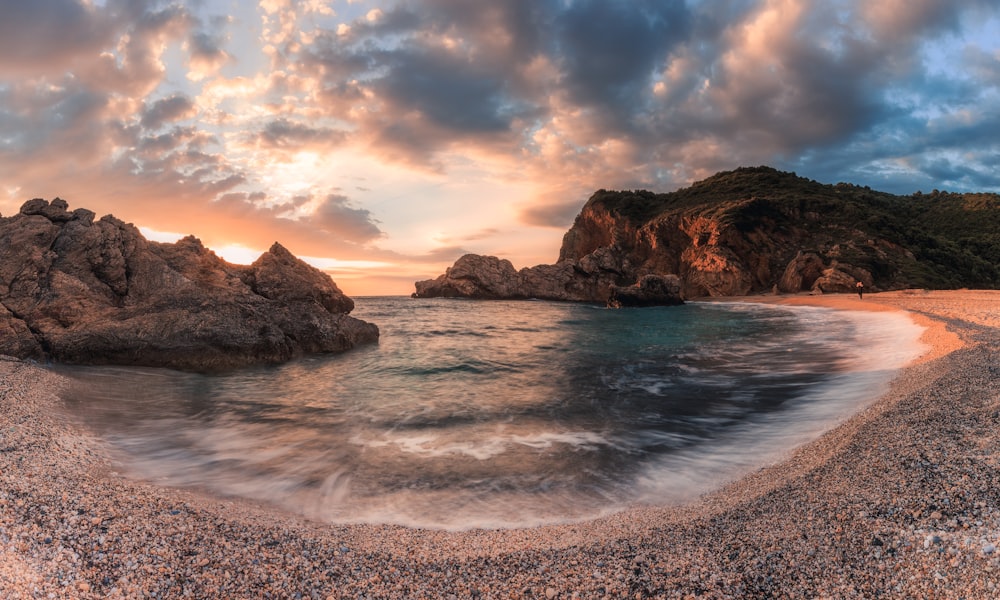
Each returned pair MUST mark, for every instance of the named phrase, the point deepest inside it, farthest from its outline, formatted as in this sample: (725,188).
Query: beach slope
(901,500)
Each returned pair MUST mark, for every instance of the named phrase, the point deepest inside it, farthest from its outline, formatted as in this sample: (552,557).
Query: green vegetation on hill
(943,240)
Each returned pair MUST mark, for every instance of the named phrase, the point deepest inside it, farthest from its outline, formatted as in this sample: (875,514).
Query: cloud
(465,237)
(252,124)
(442,255)
(167,110)
(591,94)
(785,84)
(336,216)
(449,91)
(66,28)
(551,215)
(609,51)
(206,53)
(983,66)
(39,119)
(285,134)
(896,22)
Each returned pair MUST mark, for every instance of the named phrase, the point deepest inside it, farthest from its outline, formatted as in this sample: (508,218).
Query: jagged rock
(280,276)
(474,276)
(801,273)
(808,272)
(650,290)
(834,280)
(53,211)
(838,279)
(714,271)
(552,282)
(76,290)
(590,279)
(16,339)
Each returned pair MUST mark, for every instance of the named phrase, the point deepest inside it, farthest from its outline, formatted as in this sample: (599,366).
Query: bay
(503,414)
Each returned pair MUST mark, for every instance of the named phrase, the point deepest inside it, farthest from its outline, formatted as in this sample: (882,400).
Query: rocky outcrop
(78,290)
(650,290)
(808,272)
(750,231)
(475,276)
(594,278)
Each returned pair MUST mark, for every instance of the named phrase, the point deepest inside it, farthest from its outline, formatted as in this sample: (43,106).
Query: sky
(380,140)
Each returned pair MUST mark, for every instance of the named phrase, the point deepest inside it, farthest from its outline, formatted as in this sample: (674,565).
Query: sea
(503,414)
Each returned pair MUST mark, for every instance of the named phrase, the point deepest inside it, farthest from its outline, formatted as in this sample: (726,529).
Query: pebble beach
(901,500)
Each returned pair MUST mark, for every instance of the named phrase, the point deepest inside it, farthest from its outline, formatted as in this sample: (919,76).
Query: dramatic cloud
(39,36)
(336,216)
(458,124)
(282,133)
(167,110)
(609,52)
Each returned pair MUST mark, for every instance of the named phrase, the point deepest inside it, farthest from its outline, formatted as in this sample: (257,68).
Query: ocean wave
(557,412)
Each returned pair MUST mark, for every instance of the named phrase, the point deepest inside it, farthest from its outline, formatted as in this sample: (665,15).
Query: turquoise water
(501,414)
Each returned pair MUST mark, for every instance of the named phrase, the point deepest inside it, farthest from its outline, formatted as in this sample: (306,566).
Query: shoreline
(900,499)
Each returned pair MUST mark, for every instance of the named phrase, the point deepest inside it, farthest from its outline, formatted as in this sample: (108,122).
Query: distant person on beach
(861,290)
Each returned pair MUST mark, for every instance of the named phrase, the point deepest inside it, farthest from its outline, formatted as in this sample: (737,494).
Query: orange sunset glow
(382,140)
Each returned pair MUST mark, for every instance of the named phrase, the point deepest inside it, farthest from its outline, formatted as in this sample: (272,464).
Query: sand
(902,500)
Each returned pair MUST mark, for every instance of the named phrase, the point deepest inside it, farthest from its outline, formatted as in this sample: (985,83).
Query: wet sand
(901,500)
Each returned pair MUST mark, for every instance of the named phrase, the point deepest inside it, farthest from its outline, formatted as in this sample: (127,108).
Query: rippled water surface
(503,413)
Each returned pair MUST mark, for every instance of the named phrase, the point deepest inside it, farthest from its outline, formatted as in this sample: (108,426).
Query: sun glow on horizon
(384,139)
(237,254)
(362,277)
(165,237)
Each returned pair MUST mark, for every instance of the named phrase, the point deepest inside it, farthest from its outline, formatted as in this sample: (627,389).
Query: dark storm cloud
(948,171)
(805,94)
(609,50)
(434,94)
(512,30)
(450,92)
(817,80)
(567,95)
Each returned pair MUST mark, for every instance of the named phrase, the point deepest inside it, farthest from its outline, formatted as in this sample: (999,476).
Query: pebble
(845,517)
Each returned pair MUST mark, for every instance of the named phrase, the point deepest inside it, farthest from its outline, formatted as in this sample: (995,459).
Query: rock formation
(487,277)
(747,231)
(650,290)
(76,290)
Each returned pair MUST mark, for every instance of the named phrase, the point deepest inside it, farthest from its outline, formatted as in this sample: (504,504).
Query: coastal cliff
(78,290)
(748,231)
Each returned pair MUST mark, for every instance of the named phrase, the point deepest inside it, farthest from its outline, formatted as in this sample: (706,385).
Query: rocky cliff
(78,290)
(750,231)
